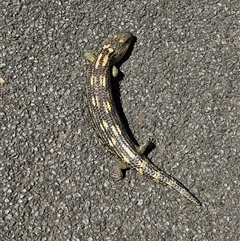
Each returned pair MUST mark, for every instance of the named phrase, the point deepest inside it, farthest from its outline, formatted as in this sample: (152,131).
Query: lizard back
(105,119)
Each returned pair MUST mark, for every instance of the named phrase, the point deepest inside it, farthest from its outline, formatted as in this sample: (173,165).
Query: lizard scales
(106,121)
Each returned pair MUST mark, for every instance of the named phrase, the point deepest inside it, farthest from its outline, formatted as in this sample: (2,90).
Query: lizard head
(118,44)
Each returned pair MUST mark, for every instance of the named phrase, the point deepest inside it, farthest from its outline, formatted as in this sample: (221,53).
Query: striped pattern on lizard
(105,118)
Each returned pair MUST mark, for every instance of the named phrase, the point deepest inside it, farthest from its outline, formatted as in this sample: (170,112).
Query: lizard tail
(160,176)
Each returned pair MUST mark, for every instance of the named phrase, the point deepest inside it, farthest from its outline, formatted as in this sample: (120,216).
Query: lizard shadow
(115,85)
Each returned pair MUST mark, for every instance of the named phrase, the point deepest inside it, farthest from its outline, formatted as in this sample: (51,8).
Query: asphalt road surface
(180,86)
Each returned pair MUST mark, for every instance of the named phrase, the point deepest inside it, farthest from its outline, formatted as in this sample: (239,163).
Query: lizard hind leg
(117,170)
(147,144)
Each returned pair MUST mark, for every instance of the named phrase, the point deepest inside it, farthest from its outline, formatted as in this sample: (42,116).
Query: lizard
(105,118)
